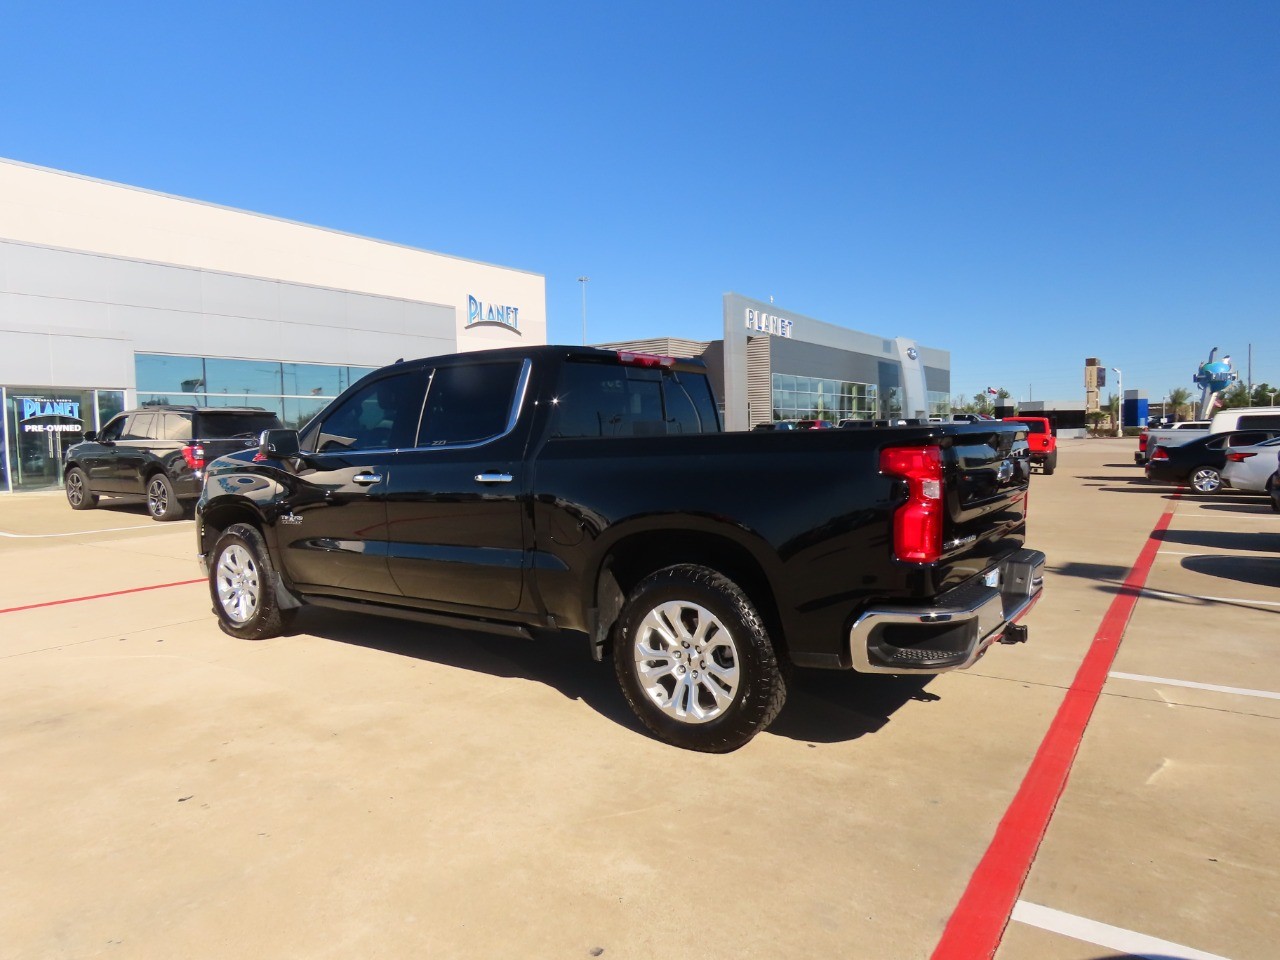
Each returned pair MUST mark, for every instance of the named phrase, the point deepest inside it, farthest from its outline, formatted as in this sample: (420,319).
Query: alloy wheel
(75,489)
(686,661)
(239,586)
(157,498)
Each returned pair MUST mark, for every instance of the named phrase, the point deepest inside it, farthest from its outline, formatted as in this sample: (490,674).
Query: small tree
(1237,395)
(1180,400)
(981,403)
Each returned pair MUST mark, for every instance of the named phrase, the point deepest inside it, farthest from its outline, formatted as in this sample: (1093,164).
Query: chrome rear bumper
(954,631)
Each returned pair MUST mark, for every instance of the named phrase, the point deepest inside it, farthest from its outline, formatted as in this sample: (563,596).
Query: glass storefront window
(110,402)
(39,423)
(243,378)
(808,398)
(161,373)
(295,392)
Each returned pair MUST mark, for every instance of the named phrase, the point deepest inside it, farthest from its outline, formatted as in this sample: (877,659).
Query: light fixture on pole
(1119,402)
(584,281)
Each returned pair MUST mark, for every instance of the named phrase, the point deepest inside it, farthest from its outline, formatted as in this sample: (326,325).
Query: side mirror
(90,435)
(278,444)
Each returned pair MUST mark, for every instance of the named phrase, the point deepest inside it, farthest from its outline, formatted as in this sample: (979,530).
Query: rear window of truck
(220,426)
(608,400)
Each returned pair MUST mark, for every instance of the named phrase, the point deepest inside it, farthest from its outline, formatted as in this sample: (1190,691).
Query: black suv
(158,453)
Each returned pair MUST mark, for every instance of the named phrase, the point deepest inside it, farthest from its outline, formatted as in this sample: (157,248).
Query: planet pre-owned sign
(768,323)
(45,415)
(492,314)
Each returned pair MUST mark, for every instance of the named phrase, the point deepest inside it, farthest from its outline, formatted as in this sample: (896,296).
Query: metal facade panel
(227,295)
(312,305)
(812,360)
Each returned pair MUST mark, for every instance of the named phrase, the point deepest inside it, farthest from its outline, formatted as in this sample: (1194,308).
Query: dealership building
(776,364)
(112,297)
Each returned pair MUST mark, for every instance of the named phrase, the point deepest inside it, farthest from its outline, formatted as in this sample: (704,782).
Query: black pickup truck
(562,491)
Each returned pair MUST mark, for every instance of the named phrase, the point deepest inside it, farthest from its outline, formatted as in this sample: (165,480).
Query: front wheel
(162,499)
(78,494)
(1206,480)
(242,581)
(695,661)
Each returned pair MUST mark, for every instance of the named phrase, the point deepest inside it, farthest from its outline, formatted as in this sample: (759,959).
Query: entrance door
(42,423)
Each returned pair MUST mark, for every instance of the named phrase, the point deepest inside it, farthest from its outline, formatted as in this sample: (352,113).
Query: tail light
(645,360)
(917,524)
(1142,441)
(194,455)
(1160,454)
(1240,457)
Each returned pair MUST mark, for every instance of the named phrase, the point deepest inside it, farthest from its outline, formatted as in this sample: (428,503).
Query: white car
(1252,469)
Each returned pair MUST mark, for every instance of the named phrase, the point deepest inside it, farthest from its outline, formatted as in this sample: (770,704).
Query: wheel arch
(635,555)
(219,514)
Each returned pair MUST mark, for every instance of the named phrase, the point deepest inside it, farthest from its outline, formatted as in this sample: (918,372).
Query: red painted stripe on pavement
(99,596)
(978,922)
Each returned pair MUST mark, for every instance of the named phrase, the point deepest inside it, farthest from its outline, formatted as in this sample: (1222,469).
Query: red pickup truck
(1040,438)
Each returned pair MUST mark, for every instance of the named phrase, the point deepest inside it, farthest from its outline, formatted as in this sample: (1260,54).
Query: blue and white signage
(480,313)
(763,322)
(38,415)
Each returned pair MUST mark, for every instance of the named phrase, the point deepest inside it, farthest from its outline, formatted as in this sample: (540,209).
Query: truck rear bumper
(956,629)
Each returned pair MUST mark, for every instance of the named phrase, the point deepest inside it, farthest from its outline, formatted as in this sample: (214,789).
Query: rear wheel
(78,494)
(695,662)
(242,582)
(162,500)
(1206,480)
(1051,464)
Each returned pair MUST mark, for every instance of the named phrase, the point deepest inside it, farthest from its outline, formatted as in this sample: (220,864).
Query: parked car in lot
(814,425)
(1172,435)
(158,453)
(1041,441)
(1252,469)
(553,492)
(775,425)
(1199,463)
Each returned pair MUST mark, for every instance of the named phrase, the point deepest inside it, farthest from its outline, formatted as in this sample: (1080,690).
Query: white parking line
(80,533)
(1193,596)
(1165,681)
(1104,935)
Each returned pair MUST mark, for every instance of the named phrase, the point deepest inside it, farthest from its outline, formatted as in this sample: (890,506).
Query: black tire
(1205,480)
(162,499)
(243,587)
(77,487)
(1051,464)
(682,701)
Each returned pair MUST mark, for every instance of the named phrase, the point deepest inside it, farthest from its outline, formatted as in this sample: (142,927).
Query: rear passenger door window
(469,403)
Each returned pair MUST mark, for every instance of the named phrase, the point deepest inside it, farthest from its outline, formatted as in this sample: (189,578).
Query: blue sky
(1024,184)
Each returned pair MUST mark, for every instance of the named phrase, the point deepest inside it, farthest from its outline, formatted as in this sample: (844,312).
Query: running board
(422,616)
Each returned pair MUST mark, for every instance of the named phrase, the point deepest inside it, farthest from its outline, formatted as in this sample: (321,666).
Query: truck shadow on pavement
(822,706)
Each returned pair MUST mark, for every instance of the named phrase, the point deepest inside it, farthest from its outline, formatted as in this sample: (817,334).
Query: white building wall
(226,250)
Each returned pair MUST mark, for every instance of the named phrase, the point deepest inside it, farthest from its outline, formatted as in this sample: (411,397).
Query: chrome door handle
(367,479)
(493,478)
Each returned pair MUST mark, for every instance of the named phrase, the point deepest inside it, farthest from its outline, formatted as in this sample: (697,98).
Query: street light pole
(584,281)
(1119,402)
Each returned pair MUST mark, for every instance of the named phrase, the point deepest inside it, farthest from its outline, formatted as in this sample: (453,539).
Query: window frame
(513,415)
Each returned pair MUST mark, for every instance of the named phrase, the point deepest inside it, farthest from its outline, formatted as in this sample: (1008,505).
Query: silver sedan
(1252,469)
